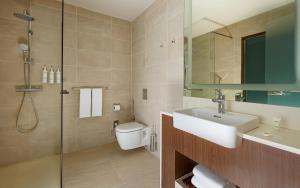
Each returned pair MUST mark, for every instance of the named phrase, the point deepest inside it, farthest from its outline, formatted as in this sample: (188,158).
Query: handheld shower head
(23,47)
(25,50)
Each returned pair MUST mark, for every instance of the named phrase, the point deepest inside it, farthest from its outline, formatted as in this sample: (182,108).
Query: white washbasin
(222,129)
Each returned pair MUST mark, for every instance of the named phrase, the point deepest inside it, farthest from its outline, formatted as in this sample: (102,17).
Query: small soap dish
(267,134)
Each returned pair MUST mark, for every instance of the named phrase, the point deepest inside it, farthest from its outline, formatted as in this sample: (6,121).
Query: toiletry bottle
(58,76)
(51,76)
(45,75)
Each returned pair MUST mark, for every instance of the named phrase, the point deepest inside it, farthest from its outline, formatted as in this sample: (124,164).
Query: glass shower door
(30,101)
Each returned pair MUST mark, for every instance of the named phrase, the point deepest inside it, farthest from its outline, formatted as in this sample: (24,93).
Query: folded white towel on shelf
(85,103)
(196,182)
(207,179)
(202,184)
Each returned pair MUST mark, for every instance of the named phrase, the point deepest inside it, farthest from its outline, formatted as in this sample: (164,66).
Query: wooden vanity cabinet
(251,165)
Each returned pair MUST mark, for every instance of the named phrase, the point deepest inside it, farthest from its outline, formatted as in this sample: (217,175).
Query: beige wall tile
(93,76)
(48,3)
(97,59)
(46,53)
(93,25)
(121,22)
(138,45)
(97,51)
(138,28)
(6,70)
(90,14)
(70,39)
(70,21)
(121,76)
(120,46)
(93,42)
(45,34)
(46,15)
(9,50)
(157,62)
(70,56)
(12,27)
(138,60)
(122,32)
(8,115)
(120,61)
(70,74)
(7,8)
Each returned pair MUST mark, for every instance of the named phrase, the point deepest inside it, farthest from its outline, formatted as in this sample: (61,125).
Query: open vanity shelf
(250,165)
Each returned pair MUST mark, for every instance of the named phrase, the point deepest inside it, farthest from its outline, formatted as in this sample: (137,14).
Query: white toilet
(132,135)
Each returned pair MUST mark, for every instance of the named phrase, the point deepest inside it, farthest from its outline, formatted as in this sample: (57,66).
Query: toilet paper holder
(116,107)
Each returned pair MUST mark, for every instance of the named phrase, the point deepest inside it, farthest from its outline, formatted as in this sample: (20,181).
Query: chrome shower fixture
(24,16)
(27,88)
(23,47)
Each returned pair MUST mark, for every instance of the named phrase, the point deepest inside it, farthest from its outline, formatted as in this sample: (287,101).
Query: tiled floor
(101,167)
(40,173)
(110,167)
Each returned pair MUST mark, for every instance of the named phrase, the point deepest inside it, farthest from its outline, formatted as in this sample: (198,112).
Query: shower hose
(19,127)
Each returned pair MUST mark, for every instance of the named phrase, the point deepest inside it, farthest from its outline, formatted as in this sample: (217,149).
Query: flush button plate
(145,96)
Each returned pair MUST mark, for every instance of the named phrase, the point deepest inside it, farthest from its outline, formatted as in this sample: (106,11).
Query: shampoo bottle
(58,76)
(45,74)
(51,76)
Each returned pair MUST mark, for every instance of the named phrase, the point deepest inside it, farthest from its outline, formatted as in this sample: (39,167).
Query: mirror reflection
(253,45)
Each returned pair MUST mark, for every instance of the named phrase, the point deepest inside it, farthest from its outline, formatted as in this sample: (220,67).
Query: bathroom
(90,91)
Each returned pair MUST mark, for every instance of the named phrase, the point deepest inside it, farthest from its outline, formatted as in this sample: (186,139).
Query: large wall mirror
(247,42)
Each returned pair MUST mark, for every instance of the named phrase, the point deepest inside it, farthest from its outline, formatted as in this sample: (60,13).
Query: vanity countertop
(281,138)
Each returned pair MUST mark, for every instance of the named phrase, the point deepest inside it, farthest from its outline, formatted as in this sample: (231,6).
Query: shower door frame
(62,93)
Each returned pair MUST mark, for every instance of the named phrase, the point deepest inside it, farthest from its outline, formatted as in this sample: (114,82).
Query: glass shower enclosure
(31,93)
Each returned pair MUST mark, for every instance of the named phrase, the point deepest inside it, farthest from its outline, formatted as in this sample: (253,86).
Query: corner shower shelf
(33,88)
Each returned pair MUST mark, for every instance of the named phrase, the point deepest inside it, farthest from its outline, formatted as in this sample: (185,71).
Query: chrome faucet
(220,99)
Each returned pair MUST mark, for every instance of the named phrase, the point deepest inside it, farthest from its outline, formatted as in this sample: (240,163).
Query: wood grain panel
(252,165)
(168,153)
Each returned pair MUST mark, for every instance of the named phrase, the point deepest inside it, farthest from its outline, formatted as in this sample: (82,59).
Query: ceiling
(124,9)
(228,12)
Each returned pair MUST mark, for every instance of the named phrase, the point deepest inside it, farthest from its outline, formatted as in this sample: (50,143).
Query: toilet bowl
(132,135)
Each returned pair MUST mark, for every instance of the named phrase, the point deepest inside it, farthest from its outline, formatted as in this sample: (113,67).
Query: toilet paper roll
(116,107)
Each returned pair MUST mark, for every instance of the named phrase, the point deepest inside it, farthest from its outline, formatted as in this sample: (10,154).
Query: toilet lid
(129,127)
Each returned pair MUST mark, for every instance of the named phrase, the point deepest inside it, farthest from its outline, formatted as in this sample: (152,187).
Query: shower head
(23,47)
(25,16)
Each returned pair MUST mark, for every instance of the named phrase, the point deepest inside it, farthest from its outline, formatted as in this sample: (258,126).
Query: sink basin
(221,129)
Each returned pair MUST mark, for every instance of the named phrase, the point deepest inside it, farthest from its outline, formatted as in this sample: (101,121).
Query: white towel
(200,184)
(208,179)
(85,103)
(196,182)
(96,102)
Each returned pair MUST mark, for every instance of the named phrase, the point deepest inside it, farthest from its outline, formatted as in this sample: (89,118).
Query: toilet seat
(129,127)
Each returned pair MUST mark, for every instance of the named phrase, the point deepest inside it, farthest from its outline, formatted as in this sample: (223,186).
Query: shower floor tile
(39,173)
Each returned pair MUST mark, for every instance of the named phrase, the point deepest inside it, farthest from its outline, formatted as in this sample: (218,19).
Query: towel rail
(84,87)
